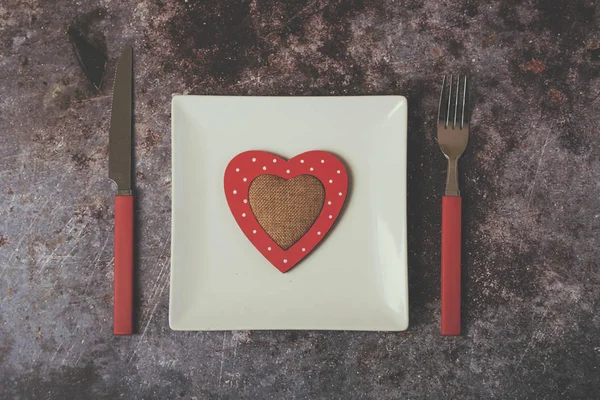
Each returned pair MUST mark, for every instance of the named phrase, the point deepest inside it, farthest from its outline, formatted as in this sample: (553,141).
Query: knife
(120,171)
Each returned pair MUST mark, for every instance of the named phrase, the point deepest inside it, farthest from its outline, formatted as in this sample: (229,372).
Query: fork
(453,136)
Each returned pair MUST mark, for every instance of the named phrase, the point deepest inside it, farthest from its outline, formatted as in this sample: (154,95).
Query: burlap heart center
(286,209)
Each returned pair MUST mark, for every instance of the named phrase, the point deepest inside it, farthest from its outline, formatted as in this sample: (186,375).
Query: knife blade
(120,154)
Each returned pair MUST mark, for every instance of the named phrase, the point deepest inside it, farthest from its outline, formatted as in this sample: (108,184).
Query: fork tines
(451,93)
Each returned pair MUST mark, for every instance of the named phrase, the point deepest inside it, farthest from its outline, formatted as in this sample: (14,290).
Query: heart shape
(246,167)
(286,209)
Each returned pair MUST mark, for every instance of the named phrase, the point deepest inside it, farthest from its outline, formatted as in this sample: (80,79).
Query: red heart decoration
(324,166)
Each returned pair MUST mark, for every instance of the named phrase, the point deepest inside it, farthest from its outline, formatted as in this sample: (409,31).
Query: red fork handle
(123,300)
(451,243)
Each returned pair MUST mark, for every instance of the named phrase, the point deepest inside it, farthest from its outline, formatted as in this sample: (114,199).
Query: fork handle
(451,248)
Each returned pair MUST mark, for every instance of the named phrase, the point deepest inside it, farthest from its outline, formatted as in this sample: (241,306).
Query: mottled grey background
(530,179)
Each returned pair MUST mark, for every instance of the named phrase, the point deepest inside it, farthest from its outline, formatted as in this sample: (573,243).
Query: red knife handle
(123,301)
(451,244)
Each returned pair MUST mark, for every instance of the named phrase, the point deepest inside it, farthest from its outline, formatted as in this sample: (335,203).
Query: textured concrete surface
(530,179)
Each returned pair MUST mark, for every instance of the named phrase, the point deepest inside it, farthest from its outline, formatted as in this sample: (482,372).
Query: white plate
(355,280)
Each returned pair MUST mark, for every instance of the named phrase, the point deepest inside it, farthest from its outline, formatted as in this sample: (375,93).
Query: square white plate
(355,280)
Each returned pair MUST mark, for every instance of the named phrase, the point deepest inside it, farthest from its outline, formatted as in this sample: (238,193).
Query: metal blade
(119,143)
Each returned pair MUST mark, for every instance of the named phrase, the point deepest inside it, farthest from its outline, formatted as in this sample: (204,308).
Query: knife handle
(451,248)
(123,245)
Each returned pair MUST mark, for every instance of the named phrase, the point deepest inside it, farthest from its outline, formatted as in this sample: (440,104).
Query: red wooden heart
(324,166)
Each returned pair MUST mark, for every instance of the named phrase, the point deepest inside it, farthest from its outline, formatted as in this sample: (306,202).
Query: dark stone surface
(530,180)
